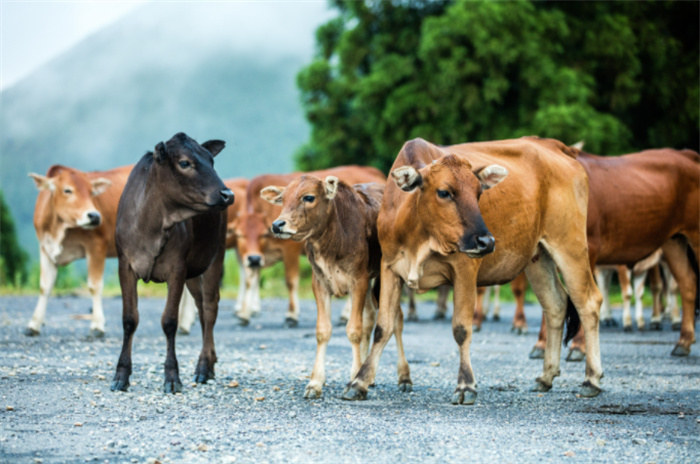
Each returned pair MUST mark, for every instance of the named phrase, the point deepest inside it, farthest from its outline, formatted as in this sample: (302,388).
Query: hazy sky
(34,32)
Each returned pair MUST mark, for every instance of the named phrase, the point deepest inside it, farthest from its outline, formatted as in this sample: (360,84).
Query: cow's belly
(69,253)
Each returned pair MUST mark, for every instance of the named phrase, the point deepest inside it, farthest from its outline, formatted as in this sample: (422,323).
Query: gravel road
(56,406)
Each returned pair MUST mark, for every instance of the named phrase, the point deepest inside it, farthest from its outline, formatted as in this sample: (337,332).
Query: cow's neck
(338,235)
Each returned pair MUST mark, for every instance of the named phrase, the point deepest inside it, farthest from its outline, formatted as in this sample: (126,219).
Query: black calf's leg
(169,320)
(130,320)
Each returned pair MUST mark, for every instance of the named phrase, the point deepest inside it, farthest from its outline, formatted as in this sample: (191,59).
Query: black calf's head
(186,177)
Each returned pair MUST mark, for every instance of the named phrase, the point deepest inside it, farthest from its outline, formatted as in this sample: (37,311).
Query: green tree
(621,75)
(13,259)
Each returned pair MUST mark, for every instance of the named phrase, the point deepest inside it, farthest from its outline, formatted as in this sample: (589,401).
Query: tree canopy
(13,259)
(623,76)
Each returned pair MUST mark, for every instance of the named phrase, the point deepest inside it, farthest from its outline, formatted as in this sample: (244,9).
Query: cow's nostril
(227,195)
(254,260)
(485,242)
(277,226)
(94,217)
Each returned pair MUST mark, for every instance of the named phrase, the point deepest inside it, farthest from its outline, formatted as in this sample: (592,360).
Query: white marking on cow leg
(626,290)
(638,294)
(252,286)
(96,267)
(241,282)
(46,283)
(187,312)
(486,302)
(603,278)
(324,329)
(496,301)
(671,310)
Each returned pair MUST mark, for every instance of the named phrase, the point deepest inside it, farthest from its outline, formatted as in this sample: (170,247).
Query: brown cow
(188,309)
(258,248)
(432,232)
(74,217)
(171,227)
(637,204)
(338,223)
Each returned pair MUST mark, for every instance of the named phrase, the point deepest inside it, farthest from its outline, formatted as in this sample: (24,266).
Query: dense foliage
(623,76)
(13,259)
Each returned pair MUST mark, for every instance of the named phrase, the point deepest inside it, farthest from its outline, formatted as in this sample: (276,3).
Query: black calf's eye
(443,194)
(185,164)
(308,198)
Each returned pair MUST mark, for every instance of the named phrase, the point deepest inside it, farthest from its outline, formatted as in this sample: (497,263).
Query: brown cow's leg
(478,317)
(130,321)
(638,289)
(291,277)
(538,350)
(324,328)
(462,323)
(603,279)
(389,304)
(518,286)
(252,290)
(441,310)
(656,285)
(354,327)
(168,322)
(412,310)
(576,271)
(542,275)
(402,369)
(675,251)
(47,279)
(369,319)
(96,257)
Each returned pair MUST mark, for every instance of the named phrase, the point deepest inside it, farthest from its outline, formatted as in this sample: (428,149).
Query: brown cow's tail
(694,265)
(573,321)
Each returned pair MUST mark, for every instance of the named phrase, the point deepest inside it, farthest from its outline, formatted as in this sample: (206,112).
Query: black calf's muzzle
(227,196)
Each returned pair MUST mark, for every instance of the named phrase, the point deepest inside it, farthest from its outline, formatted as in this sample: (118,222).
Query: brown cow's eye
(67,191)
(308,198)
(443,194)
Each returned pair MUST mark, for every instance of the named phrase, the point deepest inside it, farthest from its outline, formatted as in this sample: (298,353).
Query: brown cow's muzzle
(478,246)
(90,220)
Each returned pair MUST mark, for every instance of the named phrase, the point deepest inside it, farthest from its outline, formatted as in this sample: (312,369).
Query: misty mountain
(225,71)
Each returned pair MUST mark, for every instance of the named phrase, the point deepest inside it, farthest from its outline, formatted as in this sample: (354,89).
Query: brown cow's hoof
(675,326)
(496,318)
(608,322)
(405,386)
(97,333)
(627,328)
(537,353)
(588,390)
(243,322)
(575,355)
(120,385)
(439,316)
(519,330)
(464,396)
(342,321)
(540,386)
(655,326)
(172,387)
(476,328)
(354,394)
(680,350)
(29,332)
(291,323)
(312,393)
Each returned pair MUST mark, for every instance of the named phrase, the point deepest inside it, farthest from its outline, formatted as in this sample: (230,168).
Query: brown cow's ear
(160,153)
(42,182)
(491,175)
(407,178)
(272,194)
(214,146)
(100,185)
(331,187)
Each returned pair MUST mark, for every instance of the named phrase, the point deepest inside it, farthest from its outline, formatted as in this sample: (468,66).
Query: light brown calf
(75,217)
(338,223)
(258,248)
(452,216)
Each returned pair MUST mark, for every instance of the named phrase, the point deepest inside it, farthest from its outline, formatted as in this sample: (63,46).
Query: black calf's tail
(573,322)
(694,264)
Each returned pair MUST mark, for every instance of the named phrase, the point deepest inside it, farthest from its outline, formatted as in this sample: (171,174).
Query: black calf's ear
(214,146)
(160,153)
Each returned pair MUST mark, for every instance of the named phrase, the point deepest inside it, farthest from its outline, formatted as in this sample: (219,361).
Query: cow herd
(464,216)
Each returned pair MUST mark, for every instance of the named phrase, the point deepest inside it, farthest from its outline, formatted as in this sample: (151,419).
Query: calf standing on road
(171,227)
(339,224)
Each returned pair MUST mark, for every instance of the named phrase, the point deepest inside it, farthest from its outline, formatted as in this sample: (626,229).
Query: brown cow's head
(71,195)
(252,233)
(185,175)
(305,205)
(448,203)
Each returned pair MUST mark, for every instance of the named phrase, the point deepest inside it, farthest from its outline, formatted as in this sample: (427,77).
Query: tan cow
(258,248)
(74,217)
(477,214)
(338,223)
(188,309)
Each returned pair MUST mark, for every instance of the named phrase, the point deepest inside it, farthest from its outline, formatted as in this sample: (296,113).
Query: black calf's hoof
(588,390)
(540,387)
(97,333)
(438,316)
(466,397)
(537,353)
(575,355)
(172,387)
(203,378)
(120,385)
(29,332)
(655,326)
(291,323)
(496,318)
(680,351)
(354,394)
(405,387)
(675,326)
